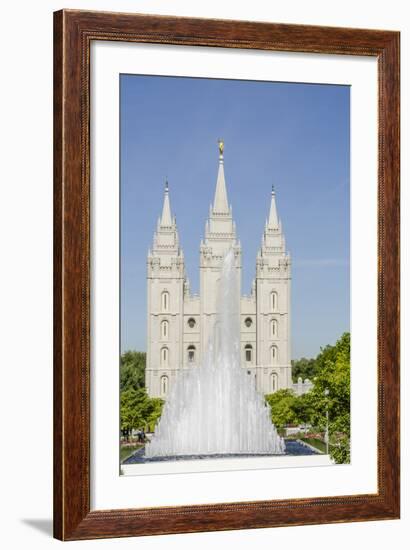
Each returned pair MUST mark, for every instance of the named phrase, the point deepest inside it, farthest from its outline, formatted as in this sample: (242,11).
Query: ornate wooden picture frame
(74,31)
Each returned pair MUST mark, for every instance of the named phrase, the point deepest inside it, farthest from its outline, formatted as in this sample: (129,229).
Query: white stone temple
(180,323)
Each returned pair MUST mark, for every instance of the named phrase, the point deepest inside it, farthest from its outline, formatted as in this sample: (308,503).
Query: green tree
(132,370)
(303,409)
(134,405)
(331,392)
(138,410)
(303,368)
(282,407)
(156,406)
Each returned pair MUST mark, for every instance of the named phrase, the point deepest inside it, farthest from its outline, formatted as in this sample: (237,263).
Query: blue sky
(295,136)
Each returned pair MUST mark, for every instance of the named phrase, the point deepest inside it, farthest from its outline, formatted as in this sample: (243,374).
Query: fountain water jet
(215,408)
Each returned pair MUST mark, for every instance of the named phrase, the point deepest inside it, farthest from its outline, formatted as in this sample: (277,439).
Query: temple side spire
(273,221)
(166,218)
(221,205)
(273,239)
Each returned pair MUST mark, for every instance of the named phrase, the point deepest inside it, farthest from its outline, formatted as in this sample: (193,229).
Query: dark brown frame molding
(73,33)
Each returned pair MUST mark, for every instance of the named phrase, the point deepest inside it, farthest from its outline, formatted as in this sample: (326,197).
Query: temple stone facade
(180,323)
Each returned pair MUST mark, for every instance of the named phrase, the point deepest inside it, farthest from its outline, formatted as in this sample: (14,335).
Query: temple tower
(273,287)
(165,302)
(220,236)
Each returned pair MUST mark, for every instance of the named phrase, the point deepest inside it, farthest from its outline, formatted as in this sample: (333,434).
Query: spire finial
(221,148)
(273,189)
(166,185)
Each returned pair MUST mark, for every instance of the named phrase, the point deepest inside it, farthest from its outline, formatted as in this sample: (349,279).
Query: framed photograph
(226,275)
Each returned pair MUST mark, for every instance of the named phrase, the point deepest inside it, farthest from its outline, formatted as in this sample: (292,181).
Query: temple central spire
(220,230)
(221,205)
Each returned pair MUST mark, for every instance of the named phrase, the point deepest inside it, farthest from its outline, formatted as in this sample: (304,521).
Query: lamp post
(327,422)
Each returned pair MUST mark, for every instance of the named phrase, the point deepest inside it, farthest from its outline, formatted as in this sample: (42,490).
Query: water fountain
(215,409)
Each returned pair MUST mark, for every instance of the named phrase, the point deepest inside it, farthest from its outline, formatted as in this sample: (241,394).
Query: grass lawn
(317,443)
(127,450)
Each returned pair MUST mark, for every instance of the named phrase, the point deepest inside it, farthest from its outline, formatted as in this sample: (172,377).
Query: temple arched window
(164,385)
(248,353)
(164,357)
(164,329)
(274,328)
(273,300)
(274,354)
(273,382)
(191,354)
(165,301)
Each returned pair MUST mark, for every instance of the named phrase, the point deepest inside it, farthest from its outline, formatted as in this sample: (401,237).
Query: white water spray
(215,408)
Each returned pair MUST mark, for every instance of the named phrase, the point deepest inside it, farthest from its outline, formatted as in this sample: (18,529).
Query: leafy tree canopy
(331,392)
(303,368)
(138,410)
(330,374)
(282,407)
(132,370)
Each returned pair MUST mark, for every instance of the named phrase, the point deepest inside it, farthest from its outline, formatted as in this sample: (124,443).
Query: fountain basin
(293,448)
